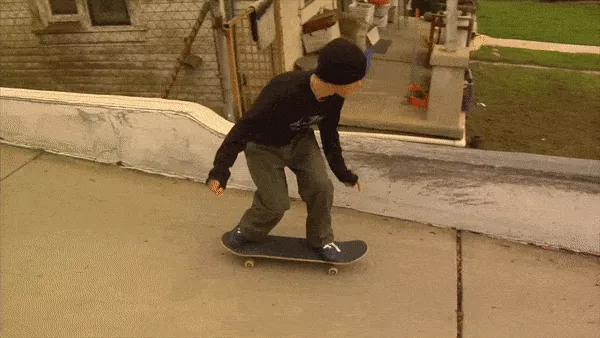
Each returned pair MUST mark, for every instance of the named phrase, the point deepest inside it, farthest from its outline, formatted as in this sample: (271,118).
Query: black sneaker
(235,239)
(330,252)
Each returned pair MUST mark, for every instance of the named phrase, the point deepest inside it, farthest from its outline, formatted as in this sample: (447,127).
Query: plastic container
(392,14)
(318,39)
(381,10)
(363,12)
(380,21)
(369,55)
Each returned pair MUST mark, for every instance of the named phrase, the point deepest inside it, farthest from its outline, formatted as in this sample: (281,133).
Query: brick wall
(134,61)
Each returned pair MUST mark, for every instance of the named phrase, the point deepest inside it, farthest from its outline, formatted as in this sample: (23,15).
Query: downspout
(218,11)
(231,7)
(280,68)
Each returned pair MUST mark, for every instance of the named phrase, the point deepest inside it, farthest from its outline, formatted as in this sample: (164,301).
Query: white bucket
(381,21)
(392,14)
(382,10)
(362,11)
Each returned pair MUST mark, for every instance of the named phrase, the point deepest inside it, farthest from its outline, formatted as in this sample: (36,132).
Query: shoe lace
(332,245)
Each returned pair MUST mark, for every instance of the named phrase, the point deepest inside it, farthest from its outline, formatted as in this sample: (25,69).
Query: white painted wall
(292,32)
(293,15)
(530,198)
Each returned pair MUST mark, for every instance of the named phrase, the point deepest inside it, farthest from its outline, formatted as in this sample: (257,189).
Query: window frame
(83,17)
(89,14)
(81,23)
(48,18)
(305,3)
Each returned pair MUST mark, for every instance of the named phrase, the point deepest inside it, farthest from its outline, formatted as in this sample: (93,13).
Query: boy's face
(347,90)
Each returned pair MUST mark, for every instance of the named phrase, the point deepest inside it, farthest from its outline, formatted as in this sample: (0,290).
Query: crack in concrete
(459,288)
(22,166)
(90,117)
(118,136)
(122,117)
(103,152)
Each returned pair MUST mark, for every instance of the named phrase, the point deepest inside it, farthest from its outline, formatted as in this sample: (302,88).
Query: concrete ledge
(442,58)
(551,165)
(530,198)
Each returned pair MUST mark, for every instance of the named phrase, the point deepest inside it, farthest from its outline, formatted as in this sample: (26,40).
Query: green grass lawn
(542,111)
(538,21)
(535,57)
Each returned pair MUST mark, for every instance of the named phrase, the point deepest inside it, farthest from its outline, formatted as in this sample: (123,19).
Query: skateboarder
(277,133)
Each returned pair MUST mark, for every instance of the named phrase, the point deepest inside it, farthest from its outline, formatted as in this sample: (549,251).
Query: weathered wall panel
(132,60)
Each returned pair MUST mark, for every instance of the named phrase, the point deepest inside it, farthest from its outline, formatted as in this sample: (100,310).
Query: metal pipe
(279,37)
(218,11)
(231,8)
(233,72)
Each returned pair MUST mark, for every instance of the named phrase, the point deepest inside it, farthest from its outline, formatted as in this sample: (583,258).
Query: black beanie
(341,62)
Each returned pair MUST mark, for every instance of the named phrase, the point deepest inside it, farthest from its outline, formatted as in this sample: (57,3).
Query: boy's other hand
(215,187)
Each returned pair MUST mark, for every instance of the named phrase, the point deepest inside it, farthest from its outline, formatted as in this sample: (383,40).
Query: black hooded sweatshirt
(285,108)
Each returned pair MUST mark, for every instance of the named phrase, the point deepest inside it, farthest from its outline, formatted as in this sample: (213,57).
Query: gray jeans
(271,200)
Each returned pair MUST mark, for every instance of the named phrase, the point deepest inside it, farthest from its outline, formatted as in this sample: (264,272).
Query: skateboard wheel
(249,263)
(333,270)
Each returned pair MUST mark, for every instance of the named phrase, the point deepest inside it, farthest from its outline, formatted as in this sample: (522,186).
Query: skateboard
(295,249)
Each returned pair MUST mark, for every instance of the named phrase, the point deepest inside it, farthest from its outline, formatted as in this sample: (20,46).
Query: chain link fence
(252,67)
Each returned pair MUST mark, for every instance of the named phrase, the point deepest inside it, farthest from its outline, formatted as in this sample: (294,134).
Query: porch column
(449,63)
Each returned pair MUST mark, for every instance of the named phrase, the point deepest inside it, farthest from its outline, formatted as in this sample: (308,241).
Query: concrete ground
(96,250)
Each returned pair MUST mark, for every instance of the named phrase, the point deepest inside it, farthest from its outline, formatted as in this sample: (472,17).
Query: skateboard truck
(333,270)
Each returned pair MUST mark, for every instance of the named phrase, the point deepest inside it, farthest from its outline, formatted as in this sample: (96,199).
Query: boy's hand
(351,185)
(215,187)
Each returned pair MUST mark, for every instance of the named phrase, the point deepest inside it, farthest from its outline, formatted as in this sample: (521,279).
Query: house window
(100,12)
(88,21)
(62,7)
(108,13)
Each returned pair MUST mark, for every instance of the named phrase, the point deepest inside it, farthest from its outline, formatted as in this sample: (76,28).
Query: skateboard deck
(295,249)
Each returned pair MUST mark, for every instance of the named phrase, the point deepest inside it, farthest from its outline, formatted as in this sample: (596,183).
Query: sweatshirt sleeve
(235,142)
(331,146)
(254,121)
